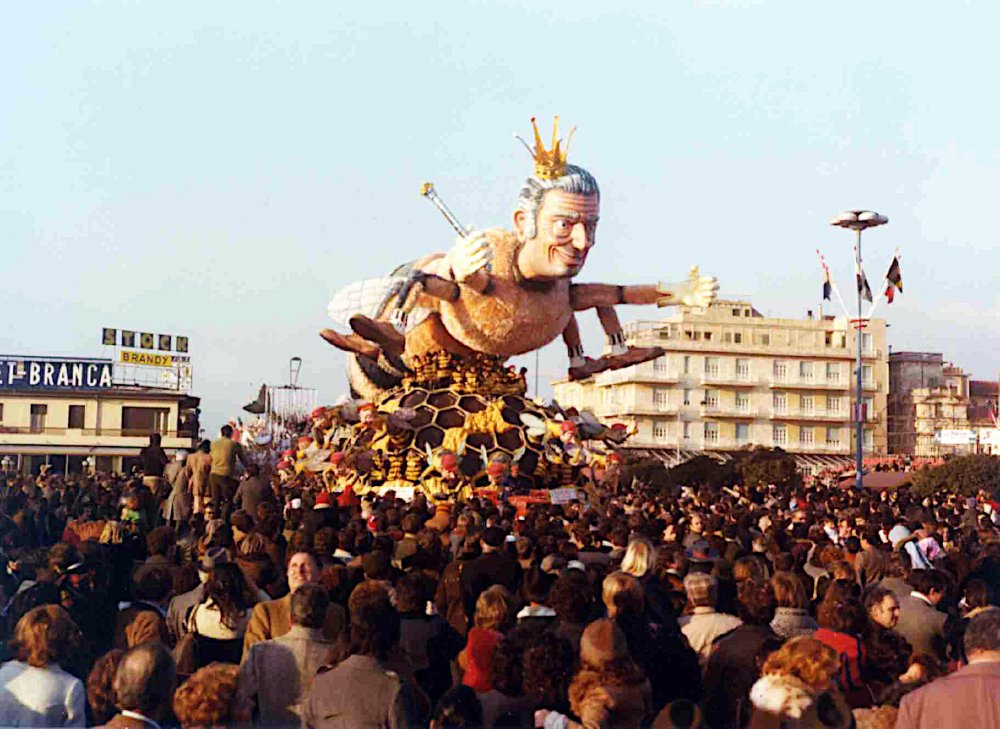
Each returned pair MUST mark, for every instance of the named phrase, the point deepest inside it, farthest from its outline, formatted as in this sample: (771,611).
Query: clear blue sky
(221,169)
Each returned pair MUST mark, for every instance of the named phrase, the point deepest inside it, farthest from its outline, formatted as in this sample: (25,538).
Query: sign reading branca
(54,374)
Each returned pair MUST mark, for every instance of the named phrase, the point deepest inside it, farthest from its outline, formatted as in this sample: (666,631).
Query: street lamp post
(859,220)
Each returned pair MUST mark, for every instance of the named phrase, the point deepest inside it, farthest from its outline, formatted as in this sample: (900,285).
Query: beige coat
(198,466)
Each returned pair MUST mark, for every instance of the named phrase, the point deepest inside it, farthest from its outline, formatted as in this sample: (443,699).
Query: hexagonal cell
(471,404)
(514,403)
(510,440)
(477,440)
(441,399)
(414,398)
(423,417)
(528,462)
(450,418)
(510,416)
(470,464)
(431,436)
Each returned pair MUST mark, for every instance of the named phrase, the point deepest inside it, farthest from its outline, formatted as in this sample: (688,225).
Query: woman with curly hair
(609,690)
(100,687)
(797,689)
(209,699)
(36,690)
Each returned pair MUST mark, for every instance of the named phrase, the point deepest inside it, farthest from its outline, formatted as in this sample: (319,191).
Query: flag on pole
(863,288)
(827,281)
(894,279)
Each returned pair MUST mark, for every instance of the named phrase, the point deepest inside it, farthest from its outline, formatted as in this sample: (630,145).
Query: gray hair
(576,180)
(146,679)
(309,605)
(983,633)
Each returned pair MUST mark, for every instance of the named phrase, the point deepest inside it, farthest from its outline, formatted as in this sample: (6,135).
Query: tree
(964,475)
(763,466)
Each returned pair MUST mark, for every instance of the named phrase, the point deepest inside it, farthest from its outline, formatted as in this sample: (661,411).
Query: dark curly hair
(100,686)
(549,666)
(459,707)
(208,698)
(507,664)
(755,601)
(230,591)
(572,597)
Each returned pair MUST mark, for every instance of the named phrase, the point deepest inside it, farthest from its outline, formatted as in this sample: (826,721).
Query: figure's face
(565,233)
(886,613)
(697,524)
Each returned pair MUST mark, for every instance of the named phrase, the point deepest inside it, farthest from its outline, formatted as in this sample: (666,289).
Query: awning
(879,480)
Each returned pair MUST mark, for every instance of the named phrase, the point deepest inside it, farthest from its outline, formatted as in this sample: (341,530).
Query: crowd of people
(185,596)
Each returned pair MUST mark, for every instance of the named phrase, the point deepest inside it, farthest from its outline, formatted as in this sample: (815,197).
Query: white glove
(697,290)
(469,255)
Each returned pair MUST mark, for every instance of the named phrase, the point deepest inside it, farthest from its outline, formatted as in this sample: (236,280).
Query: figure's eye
(562,226)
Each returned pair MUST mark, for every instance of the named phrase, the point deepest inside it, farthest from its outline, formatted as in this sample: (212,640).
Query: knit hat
(323,501)
(701,589)
(602,642)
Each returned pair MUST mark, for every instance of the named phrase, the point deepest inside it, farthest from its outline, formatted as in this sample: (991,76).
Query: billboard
(148,359)
(25,373)
(955,437)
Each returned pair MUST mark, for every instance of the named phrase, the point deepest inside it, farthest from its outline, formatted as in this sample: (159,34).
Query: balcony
(728,411)
(642,373)
(808,383)
(631,407)
(728,380)
(13,435)
(838,416)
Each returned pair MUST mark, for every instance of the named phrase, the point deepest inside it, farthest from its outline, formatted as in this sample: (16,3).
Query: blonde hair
(493,608)
(621,593)
(112,533)
(640,557)
(789,590)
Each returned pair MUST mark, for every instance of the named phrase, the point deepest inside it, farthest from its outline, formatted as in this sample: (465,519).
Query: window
(727,337)
(806,371)
(780,433)
(780,370)
(742,432)
(38,415)
(866,342)
(805,436)
(828,339)
(687,364)
(660,365)
(736,312)
(742,402)
(833,436)
(866,374)
(869,440)
(832,372)
(737,337)
(144,421)
(711,366)
(661,398)
(833,405)
(660,430)
(708,336)
(780,402)
(742,369)
(687,397)
(870,409)
(711,432)
(76,414)
(746,313)
(1,412)
(806,404)
(712,398)
(687,429)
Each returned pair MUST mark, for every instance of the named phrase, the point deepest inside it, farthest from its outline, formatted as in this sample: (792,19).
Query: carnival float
(434,405)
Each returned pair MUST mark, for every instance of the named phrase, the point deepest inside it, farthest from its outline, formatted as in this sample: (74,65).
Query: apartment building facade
(732,379)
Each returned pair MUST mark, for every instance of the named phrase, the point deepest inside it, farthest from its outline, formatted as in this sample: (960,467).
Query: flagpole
(884,289)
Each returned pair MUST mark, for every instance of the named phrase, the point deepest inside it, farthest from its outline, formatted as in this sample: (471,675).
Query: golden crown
(549,163)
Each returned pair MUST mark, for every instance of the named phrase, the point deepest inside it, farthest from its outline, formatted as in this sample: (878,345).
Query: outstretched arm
(697,290)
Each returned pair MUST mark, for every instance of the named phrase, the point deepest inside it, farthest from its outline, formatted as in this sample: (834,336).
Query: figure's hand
(470,255)
(697,290)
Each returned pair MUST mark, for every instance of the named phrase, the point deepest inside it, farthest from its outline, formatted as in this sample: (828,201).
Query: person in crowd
(458,709)
(967,699)
(704,624)
(253,490)
(791,616)
(101,687)
(209,698)
(492,567)
(144,687)
(492,618)
(198,468)
(181,605)
(870,563)
(976,599)
(841,620)
(224,453)
(154,460)
(273,618)
(887,652)
(277,674)
(177,507)
(220,621)
(35,690)
(430,644)
(920,621)
(143,618)
(361,690)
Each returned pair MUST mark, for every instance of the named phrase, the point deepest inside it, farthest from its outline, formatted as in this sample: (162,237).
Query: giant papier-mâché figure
(501,292)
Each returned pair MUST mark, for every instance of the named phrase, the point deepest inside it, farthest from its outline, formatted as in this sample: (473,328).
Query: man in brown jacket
(273,618)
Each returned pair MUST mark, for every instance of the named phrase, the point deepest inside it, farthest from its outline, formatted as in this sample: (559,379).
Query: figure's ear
(520,223)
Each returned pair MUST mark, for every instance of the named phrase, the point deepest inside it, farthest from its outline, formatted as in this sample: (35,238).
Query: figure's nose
(581,237)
